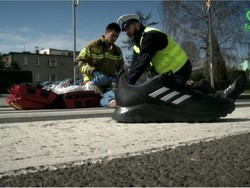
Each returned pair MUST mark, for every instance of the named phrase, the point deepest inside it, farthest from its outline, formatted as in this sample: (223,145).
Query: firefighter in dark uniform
(101,56)
(101,59)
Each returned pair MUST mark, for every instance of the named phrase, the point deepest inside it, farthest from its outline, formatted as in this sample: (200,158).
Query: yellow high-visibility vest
(172,57)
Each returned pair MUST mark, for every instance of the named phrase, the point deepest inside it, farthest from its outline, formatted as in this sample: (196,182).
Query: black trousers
(182,75)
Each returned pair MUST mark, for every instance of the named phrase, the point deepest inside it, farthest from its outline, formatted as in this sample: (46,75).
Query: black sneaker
(163,100)
(234,90)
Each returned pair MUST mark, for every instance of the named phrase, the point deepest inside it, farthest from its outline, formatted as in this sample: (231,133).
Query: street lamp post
(74,4)
(210,48)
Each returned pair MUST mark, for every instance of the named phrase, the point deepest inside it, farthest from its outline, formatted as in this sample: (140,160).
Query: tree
(187,22)
(128,44)
(14,66)
(2,63)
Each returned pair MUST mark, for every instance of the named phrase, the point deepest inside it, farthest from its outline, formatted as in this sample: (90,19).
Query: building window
(25,61)
(52,62)
(52,77)
(37,61)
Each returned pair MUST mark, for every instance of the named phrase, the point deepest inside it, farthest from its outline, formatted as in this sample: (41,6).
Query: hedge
(10,77)
(220,85)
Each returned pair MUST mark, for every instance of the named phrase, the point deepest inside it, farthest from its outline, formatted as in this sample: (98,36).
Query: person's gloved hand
(100,79)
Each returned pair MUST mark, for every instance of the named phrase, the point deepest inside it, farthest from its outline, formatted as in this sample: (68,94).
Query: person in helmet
(158,52)
(154,49)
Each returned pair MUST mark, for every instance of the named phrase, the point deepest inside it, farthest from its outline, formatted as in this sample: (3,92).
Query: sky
(26,25)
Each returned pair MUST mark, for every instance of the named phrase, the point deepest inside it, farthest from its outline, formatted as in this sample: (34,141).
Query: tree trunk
(219,63)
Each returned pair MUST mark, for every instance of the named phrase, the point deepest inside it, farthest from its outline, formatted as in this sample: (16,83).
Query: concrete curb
(3,97)
(244,96)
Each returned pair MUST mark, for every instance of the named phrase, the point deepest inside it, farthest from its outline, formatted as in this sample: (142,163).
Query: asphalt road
(205,160)
(218,163)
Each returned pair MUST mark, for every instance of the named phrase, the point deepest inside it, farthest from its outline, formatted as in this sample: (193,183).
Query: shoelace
(194,90)
(168,78)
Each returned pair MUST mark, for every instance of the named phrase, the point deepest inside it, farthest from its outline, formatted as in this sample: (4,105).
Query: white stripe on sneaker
(158,92)
(170,96)
(181,99)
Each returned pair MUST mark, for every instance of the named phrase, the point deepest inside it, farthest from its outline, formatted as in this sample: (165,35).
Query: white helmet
(126,19)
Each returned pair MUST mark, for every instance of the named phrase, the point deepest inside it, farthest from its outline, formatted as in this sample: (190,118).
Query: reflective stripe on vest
(171,57)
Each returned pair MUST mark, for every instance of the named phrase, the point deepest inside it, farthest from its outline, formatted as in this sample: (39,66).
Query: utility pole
(208,3)
(74,4)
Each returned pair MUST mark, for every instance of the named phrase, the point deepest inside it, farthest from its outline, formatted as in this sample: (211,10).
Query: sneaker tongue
(170,81)
(169,76)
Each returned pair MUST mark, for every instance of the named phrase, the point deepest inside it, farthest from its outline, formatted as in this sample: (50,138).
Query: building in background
(46,64)
(51,51)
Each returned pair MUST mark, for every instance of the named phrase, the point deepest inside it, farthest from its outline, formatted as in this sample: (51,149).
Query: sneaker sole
(146,113)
